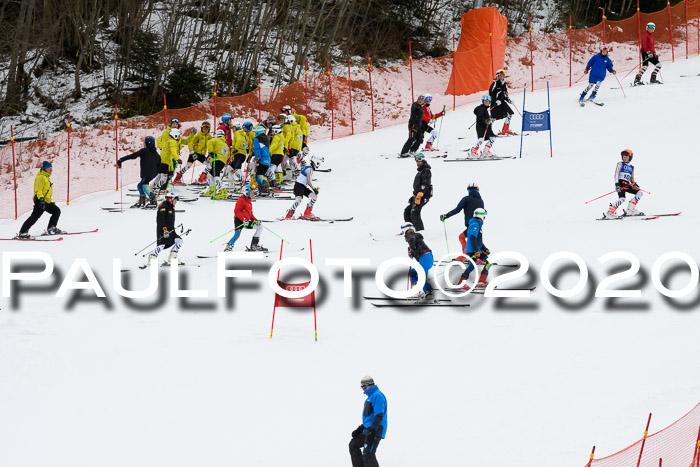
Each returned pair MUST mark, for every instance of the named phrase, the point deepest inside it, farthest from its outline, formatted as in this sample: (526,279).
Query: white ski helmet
(366,382)
(427,98)
(237,125)
(317,161)
(406,227)
(175,133)
(290,119)
(276,129)
(480,213)
(219,134)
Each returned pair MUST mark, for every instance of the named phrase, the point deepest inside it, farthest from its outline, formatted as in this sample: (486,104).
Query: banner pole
(165,110)
(306,89)
(603,26)
(214,110)
(644,440)
(259,99)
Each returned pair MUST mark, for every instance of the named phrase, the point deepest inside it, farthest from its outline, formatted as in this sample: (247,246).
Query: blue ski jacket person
(261,150)
(474,241)
(467,204)
(374,415)
(597,65)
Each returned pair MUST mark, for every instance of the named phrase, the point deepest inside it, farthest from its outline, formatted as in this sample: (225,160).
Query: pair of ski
(46,234)
(440,302)
(479,159)
(166,264)
(330,221)
(643,217)
(443,263)
(582,103)
(248,250)
(131,208)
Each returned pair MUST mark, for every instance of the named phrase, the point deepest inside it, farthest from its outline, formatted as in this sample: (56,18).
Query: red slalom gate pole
(14,170)
(454,81)
(352,124)
(274,308)
(410,61)
(116,146)
(165,109)
(698,28)
(603,26)
(214,107)
(371,93)
(590,460)
(532,66)
(68,178)
(491,48)
(330,89)
(259,97)
(670,27)
(639,34)
(644,440)
(571,54)
(306,89)
(696,452)
(686,30)
(311,252)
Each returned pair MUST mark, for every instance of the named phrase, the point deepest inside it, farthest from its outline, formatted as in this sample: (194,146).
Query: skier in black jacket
(467,204)
(415,135)
(418,250)
(422,191)
(150,162)
(483,128)
(499,96)
(166,236)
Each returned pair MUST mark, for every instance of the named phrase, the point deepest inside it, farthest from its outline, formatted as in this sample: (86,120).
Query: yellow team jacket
(43,188)
(277,144)
(218,149)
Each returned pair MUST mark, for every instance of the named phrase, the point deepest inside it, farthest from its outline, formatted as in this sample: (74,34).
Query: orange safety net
(676,445)
(338,106)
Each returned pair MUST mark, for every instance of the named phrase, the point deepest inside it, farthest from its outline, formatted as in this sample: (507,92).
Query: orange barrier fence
(362,101)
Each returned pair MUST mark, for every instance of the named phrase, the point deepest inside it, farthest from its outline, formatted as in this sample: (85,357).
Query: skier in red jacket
(245,219)
(648,56)
(428,116)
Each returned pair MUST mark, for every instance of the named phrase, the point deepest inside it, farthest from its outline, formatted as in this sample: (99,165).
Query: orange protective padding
(308,301)
(474,66)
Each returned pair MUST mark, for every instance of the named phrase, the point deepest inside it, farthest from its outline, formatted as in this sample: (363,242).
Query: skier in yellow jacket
(301,121)
(43,189)
(197,144)
(276,155)
(174,124)
(169,157)
(219,153)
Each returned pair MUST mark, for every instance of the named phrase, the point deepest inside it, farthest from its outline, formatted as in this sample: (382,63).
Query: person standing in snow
(414,126)
(245,219)
(648,56)
(597,66)
(476,250)
(43,189)
(428,117)
(483,128)
(366,437)
(418,250)
(197,143)
(149,160)
(166,237)
(305,187)
(468,205)
(422,192)
(499,96)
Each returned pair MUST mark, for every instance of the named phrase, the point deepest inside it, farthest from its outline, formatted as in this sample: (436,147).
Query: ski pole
(227,232)
(437,143)
(179,226)
(273,233)
(618,82)
(447,244)
(579,79)
(602,196)
(516,108)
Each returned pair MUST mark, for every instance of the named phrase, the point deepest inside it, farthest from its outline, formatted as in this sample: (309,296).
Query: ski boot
(308,215)
(428,147)
(653,79)
(152,200)
(53,230)
(229,247)
(418,298)
(211,191)
(505,130)
(482,284)
(172,259)
(289,215)
(151,257)
(178,180)
(279,176)
(23,236)
(140,203)
(637,81)
(255,245)
(475,152)
(202,178)
(611,213)
(632,210)
(221,194)
(488,152)
(593,96)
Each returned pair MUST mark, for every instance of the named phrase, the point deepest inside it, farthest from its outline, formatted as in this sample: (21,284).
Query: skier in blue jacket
(261,155)
(597,66)
(476,250)
(365,439)
(467,204)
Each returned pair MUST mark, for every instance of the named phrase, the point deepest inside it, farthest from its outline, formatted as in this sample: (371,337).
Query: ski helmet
(174,120)
(651,26)
(406,227)
(287,109)
(290,119)
(150,141)
(473,186)
(305,150)
(236,125)
(428,98)
(219,134)
(420,157)
(500,72)
(171,197)
(317,161)
(226,117)
(276,129)
(480,213)
(282,118)
(205,124)
(175,133)
(247,126)
(420,97)
(485,97)
(627,152)
(366,382)
(246,190)
(259,130)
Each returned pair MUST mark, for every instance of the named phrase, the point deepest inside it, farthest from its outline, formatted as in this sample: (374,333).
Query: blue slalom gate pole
(523,127)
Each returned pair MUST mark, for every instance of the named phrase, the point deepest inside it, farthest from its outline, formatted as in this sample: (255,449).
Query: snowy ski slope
(529,382)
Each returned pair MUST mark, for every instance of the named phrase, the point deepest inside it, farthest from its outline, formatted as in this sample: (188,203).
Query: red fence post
(165,109)
(410,61)
(371,93)
(14,170)
(214,105)
(644,440)
(532,69)
(698,28)
(670,27)
(491,48)
(590,459)
(603,26)
(330,88)
(639,33)
(352,124)
(686,29)
(116,146)
(454,80)
(696,452)
(571,54)
(306,89)
(68,177)
(259,98)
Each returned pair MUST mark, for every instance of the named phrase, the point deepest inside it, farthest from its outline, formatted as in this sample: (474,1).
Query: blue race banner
(536,121)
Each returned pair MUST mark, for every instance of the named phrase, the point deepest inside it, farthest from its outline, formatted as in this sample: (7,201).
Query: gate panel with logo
(536,121)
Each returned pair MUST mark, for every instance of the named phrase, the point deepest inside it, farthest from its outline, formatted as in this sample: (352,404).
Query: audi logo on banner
(536,116)
(295,288)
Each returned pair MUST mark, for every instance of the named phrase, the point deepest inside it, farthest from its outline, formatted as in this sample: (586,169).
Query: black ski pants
(51,208)
(364,455)
(415,138)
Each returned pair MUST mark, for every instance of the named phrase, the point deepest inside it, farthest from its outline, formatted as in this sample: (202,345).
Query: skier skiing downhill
(499,97)
(624,183)
(425,124)
(245,219)
(476,250)
(43,189)
(149,160)
(422,192)
(166,237)
(304,187)
(197,143)
(218,157)
(468,205)
(414,126)
(597,66)
(648,56)
(418,250)
(483,128)
(366,437)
